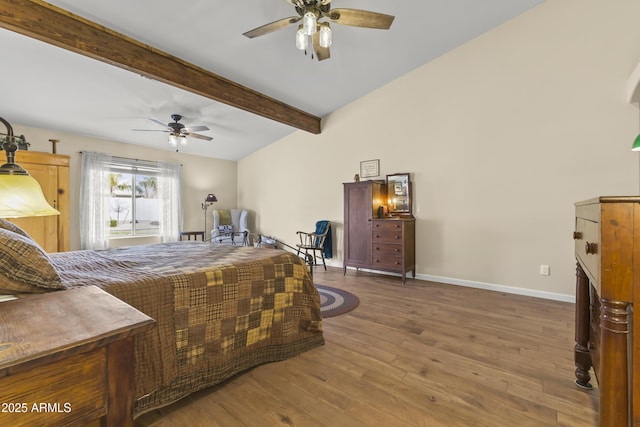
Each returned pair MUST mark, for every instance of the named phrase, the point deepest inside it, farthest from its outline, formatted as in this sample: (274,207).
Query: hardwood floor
(423,354)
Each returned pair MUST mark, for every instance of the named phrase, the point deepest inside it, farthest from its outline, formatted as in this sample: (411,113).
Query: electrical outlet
(544,270)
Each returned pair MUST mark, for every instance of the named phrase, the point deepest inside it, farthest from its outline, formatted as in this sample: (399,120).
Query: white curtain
(170,196)
(95,200)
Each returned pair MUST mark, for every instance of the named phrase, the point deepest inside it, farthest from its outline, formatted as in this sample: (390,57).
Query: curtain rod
(131,159)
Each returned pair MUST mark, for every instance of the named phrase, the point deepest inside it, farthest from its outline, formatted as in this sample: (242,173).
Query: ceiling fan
(318,34)
(178,132)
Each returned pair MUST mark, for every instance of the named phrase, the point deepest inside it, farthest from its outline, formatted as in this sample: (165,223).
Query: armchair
(230,227)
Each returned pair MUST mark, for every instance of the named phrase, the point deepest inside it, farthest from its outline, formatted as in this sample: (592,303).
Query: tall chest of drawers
(371,242)
(607,250)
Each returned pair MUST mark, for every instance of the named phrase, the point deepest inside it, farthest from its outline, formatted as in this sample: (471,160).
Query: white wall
(501,135)
(200,175)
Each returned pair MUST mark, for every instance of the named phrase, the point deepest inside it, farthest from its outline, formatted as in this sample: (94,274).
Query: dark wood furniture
(194,234)
(384,244)
(66,357)
(606,232)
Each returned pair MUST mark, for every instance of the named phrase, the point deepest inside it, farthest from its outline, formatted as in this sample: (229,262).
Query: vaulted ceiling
(50,87)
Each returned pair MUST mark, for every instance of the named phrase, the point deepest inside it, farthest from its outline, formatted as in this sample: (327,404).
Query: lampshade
(301,39)
(211,198)
(325,35)
(309,22)
(21,196)
(636,144)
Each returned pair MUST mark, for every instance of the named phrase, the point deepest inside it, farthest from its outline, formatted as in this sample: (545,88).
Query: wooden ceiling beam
(50,24)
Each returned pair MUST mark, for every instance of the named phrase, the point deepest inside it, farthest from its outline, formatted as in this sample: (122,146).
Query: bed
(219,310)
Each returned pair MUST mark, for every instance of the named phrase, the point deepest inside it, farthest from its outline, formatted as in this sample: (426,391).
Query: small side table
(195,235)
(66,357)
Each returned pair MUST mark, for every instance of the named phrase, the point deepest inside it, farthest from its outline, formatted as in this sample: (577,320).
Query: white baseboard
(487,286)
(499,288)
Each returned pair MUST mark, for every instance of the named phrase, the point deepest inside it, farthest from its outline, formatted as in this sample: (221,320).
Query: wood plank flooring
(423,354)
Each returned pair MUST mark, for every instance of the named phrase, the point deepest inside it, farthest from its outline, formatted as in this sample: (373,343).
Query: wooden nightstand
(66,357)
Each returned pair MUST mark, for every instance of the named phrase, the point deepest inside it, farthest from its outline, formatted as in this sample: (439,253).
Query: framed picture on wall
(370,168)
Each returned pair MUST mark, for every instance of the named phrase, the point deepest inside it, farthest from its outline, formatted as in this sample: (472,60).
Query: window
(135,207)
(127,198)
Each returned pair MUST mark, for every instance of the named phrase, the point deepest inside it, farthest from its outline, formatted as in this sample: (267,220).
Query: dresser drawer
(387,231)
(587,248)
(387,224)
(57,393)
(388,263)
(387,250)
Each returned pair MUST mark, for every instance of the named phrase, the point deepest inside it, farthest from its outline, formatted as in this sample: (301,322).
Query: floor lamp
(211,198)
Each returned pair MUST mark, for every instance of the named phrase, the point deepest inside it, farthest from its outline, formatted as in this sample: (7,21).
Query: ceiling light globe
(309,23)
(325,36)
(301,39)
(182,140)
(173,141)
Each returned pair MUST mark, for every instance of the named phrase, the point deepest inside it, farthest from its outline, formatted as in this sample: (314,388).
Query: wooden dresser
(606,232)
(66,357)
(384,244)
(52,173)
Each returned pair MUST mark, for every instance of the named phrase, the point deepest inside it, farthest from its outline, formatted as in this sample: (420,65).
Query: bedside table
(66,357)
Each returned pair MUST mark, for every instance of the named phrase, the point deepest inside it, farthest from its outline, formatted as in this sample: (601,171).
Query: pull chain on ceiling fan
(178,132)
(318,35)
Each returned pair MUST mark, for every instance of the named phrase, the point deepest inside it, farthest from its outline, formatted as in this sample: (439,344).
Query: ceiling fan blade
(198,136)
(196,128)
(361,18)
(321,52)
(156,121)
(272,26)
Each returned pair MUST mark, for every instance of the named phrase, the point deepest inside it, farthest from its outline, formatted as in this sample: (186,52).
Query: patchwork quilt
(219,310)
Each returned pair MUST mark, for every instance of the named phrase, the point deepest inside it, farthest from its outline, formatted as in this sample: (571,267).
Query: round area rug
(334,302)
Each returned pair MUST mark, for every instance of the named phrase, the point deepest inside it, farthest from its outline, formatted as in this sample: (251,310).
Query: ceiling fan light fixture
(325,35)
(182,140)
(301,39)
(173,140)
(309,23)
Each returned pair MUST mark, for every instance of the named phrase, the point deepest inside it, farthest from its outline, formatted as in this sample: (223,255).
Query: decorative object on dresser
(607,230)
(399,194)
(75,357)
(374,242)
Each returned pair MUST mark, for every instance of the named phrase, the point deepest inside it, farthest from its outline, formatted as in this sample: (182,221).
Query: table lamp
(20,193)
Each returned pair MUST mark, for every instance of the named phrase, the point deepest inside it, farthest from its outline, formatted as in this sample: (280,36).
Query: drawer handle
(397,237)
(591,248)
(577,235)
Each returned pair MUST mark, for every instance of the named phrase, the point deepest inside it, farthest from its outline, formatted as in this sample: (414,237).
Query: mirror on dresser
(399,194)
